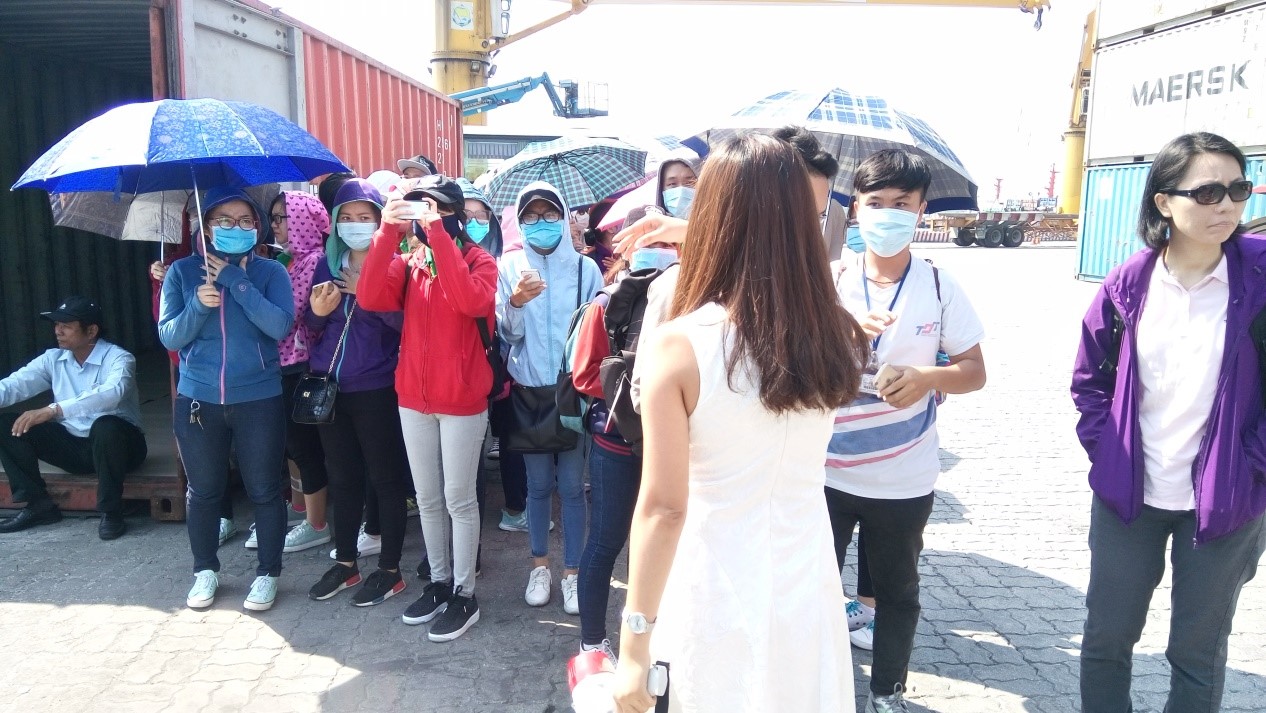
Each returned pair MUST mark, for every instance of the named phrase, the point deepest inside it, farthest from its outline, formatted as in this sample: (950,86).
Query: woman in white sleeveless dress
(732,574)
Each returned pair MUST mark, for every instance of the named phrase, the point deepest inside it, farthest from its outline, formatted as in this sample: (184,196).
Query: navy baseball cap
(75,309)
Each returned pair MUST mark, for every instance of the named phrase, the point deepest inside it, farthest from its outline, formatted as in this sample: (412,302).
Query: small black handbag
(314,394)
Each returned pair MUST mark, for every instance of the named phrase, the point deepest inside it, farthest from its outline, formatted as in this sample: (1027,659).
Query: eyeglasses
(225,223)
(479,216)
(549,216)
(1213,193)
(276,218)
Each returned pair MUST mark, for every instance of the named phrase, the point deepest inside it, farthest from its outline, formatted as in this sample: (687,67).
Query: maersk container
(1110,214)
(1206,76)
(63,63)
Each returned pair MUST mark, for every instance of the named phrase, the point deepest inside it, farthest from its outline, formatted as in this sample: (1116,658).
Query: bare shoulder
(670,365)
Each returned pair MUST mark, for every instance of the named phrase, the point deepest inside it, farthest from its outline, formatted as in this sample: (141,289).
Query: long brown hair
(754,246)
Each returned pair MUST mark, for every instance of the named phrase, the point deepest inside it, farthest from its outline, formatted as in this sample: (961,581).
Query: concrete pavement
(91,625)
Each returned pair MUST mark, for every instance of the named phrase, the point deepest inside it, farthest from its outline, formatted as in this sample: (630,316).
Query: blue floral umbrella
(584,170)
(852,126)
(179,144)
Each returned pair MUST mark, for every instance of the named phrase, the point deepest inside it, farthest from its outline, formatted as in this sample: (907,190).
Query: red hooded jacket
(443,368)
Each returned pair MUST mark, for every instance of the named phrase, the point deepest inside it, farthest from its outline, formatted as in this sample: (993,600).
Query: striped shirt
(882,452)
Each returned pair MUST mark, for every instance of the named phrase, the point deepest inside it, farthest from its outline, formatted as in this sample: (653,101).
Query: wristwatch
(55,409)
(637,622)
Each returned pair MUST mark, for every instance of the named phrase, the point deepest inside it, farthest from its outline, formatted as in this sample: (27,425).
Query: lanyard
(874,345)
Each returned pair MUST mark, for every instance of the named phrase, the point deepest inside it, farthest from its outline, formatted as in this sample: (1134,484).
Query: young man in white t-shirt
(883,459)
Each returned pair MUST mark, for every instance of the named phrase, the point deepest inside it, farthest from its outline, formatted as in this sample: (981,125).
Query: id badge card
(870,378)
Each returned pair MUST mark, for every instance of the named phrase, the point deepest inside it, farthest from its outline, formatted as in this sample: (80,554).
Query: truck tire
(993,236)
(965,237)
(1014,236)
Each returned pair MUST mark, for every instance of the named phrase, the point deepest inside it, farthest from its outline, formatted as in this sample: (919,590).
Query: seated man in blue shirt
(92,426)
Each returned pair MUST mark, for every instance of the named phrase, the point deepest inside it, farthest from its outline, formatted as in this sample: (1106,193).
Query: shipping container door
(1110,214)
(233,52)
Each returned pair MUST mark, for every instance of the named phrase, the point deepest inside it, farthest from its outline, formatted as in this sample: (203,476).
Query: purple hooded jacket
(371,351)
(1229,473)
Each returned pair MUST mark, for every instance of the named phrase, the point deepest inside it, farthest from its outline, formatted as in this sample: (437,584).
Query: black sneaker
(378,588)
(424,568)
(461,614)
(335,580)
(430,605)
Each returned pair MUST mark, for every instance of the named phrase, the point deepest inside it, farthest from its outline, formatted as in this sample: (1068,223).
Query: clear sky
(997,90)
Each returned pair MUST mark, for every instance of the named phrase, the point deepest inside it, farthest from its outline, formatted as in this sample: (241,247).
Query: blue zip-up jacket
(228,354)
(537,331)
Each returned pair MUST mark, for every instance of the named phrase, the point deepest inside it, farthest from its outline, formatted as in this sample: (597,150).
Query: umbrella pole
(202,229)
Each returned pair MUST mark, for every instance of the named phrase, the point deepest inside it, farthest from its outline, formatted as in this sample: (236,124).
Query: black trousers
(364,444)
(112,448)
(894,539)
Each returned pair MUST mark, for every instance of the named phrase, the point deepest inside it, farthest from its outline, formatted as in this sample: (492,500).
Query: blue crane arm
(477,101)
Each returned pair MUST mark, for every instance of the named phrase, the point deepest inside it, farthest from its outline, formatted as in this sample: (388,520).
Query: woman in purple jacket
(363,444)
(1169,388)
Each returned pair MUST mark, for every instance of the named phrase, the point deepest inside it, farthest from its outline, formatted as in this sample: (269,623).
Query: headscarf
(306,226)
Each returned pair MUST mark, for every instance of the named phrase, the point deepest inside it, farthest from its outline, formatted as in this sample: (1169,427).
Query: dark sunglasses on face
(1213,193)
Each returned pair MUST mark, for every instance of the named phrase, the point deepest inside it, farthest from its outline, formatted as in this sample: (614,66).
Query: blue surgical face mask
(657,258)
(854,239)
(356,236)
(542,235)
(678,201)
(887,231)
(477,231)
(233,241)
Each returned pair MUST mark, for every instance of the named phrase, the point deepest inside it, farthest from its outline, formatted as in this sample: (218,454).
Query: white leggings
(444,453)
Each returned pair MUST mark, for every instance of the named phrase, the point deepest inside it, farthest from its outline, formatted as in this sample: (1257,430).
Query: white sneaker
(262,595)
(304,536)
(202,594)
(537,594)
(366,545)
(571,604)
(227,530)
(859,614)
(252,542)
(864,638)
(605,648)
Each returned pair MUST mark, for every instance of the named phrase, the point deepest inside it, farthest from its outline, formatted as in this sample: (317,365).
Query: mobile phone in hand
(531,275)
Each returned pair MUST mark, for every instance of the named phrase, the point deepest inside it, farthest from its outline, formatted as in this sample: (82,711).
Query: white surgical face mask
(887,231)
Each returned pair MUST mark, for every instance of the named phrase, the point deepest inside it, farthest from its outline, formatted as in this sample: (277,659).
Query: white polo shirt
(1181,337)
(879,451)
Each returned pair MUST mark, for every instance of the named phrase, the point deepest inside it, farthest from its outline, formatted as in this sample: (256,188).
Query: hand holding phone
(886,375)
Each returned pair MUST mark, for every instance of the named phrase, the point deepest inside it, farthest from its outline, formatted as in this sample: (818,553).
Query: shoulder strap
(1109,365)
(580,265)
(936,277)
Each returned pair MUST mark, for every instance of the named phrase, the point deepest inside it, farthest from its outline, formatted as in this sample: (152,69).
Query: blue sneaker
(304,536)
(202,595)
(262,595)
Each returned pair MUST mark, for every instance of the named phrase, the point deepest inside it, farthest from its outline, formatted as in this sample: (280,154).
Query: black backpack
(626,305)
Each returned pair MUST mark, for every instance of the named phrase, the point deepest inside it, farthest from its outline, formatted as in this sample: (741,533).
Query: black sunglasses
(1213,193)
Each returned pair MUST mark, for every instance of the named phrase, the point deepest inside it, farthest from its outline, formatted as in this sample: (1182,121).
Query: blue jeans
(543,473)
(1126,564)
(256,432)
(614,480)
